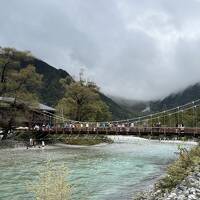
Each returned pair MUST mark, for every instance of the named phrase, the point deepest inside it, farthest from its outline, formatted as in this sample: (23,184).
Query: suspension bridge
(181,121)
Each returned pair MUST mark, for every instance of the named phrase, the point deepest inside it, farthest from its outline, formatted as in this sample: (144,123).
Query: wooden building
(19,113)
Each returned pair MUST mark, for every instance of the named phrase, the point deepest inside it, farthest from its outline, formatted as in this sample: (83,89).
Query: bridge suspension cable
(140,119)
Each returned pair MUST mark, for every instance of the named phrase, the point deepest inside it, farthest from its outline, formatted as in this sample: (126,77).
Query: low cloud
(134,49)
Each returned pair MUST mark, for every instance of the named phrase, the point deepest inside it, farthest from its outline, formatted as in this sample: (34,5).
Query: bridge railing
(122,130)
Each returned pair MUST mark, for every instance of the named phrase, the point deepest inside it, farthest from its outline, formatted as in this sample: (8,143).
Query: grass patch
(81,139)
(73,139)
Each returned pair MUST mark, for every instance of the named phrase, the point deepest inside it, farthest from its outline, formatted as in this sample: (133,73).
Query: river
(105,172)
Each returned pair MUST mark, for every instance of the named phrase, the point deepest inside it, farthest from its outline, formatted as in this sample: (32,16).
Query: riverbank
(21,139)
(122,138)
(182,180)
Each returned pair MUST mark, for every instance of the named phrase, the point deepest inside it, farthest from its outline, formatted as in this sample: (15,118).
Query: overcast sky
(138,49)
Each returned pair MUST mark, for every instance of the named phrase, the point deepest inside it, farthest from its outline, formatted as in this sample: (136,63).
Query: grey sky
(139,49)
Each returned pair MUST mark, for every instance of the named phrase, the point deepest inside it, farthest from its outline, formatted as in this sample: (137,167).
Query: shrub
(51,184)
(186,163)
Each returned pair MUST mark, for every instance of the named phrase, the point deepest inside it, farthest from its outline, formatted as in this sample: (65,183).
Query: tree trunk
(78,116)
(3,79)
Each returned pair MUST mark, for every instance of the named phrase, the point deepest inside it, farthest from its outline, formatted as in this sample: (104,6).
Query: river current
(106,172)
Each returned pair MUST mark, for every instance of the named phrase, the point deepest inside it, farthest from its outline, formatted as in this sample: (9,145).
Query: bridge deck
(126,131)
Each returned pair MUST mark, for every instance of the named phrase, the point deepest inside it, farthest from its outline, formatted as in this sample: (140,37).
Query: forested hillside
(51,90)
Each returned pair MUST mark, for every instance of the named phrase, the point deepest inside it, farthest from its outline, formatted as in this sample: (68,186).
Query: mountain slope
(118,111)
(135,107)
(50,91)
(188,95)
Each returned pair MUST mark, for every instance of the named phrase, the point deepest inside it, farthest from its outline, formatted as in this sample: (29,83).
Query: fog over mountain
(139,50)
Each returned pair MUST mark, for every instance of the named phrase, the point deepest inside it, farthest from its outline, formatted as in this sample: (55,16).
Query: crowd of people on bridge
(180,128)
(119,126)
(126,126)
(86,125)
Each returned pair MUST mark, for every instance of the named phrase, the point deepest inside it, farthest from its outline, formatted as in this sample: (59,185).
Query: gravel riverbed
(188,189)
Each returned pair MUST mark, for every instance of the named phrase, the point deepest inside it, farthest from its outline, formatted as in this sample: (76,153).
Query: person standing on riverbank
(31,142)
(43,144)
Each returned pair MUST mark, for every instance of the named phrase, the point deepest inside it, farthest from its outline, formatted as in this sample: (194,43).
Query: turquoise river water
(107,172)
